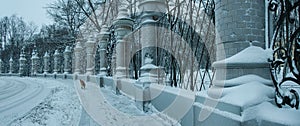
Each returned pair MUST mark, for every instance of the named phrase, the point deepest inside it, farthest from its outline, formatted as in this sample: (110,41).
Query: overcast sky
(30,10)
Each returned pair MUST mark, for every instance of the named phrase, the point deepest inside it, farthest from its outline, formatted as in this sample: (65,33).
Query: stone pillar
(240,40)
(104,38)
(1,65)
(46,63)
(11,65)
(90,55)
(56,62)
(34,63)
(78,53)
(151,10)
(123,26)
(237,24)
(22,63)
(67,60)
(150,28)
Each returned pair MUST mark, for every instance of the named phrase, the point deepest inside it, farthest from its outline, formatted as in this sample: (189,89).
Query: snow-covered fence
(184,51)
(33,65)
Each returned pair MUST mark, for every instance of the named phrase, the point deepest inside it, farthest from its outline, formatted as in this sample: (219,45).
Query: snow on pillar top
(123,24)
(34,54)
(67,50)
(78,47)
(56,53)
(46,54)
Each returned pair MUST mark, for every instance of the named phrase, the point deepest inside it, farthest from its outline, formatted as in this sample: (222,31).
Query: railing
(190,34)
(32,64)
(187,30)
(284,16)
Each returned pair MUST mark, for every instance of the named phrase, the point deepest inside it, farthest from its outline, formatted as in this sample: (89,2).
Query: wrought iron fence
(191,21)
(284,22)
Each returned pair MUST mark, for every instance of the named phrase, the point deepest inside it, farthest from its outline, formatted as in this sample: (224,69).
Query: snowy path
(86,120)
(100,108)
(38,101)
(54,102)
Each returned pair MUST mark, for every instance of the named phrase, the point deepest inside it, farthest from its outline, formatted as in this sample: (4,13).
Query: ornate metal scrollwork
(285,65)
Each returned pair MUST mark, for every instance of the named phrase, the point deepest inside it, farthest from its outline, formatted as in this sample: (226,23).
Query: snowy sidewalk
(95,104)
(86,120)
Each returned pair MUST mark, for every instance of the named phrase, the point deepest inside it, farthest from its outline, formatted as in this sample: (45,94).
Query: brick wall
(237,23)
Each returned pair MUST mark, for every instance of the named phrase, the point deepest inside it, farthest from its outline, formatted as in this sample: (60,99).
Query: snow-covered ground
(109,109)
(43,101)
(122,103)
(54,102)
(38,102)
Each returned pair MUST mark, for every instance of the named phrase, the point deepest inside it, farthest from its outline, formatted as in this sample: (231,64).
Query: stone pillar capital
(104,34)
(46,55)
(67,50)
(56,53)
(123,20)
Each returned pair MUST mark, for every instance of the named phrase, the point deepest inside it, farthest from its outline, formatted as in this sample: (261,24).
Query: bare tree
(14,31)
(100,12)
(67,13)
(14,34)
(4,26)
